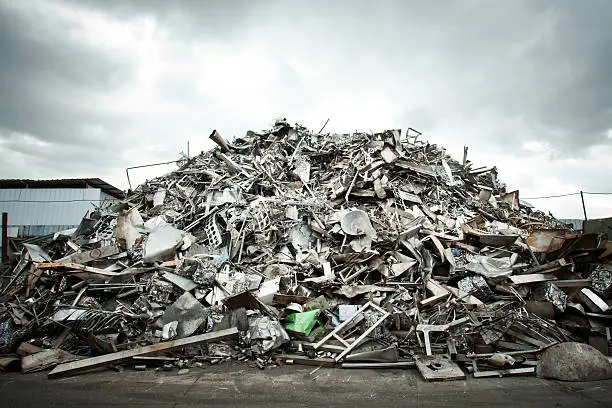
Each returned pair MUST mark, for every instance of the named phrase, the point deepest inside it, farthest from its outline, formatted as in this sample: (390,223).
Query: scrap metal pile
(365,250)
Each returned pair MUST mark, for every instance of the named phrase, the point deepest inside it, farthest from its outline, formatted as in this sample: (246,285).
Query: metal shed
(41,207)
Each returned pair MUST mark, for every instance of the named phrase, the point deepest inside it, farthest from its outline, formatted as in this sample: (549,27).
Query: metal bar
(399,364)
(501,373)
(360,338)
(325,124)
(341,326)
(127,170)
(5,237)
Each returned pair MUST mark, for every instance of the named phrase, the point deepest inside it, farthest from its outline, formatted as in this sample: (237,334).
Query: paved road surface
(232,385)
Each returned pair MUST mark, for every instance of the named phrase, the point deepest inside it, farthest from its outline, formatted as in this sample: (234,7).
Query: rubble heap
(375,250)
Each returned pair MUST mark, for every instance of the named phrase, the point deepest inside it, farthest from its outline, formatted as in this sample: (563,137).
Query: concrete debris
(355,250)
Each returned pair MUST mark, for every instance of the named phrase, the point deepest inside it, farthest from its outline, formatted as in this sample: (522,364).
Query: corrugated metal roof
(63,183)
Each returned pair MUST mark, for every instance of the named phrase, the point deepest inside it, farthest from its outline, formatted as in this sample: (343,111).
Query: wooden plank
(76,367)
(45,359)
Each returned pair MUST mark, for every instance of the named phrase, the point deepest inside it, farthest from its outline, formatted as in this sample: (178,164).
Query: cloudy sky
(88,88)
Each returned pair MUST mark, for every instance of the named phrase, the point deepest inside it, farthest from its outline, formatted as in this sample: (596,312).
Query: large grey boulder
(574,362)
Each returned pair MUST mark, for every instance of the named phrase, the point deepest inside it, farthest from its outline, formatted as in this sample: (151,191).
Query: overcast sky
(88,88)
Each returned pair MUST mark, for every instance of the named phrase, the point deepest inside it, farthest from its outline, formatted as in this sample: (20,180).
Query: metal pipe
(127,170)
(5,237)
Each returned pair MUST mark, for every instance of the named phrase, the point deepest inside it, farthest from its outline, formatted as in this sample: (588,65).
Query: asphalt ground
(235,385)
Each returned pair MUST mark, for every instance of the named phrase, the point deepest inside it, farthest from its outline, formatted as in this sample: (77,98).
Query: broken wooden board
(439,368)
(46,359)
(76,367)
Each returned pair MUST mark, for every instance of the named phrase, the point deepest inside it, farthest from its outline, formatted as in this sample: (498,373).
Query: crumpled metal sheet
(550,292)
(601,281)
(36,254)
(189,313)
(7,332)
(490,267)
(162,243)
(476,286)
(266,334)
(357,222)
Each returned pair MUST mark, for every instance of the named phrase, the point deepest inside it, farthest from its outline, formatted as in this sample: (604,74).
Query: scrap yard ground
(236,385)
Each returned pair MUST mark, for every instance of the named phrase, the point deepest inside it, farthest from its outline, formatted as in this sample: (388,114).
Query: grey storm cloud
(506,73)
(47,79)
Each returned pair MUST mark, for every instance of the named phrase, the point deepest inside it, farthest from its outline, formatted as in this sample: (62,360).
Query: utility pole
(584,210)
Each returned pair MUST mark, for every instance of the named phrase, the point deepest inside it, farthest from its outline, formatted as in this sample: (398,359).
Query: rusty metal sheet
(546,240)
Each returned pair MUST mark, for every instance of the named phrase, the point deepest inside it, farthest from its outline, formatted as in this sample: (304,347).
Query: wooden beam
(76,367)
